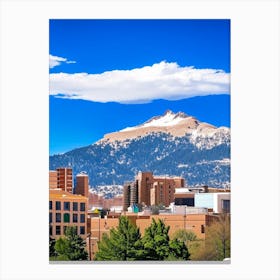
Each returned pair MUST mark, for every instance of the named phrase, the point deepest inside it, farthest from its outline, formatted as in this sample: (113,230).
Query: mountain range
(173,144)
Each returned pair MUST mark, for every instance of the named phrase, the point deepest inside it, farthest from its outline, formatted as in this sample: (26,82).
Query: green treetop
(158,246)
(123,243)
(72,246)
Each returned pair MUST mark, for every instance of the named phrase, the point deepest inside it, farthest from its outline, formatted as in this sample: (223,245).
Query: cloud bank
(162,80)
(56,60)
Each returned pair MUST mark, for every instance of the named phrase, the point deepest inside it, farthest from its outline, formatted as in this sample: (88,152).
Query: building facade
(61,178)
(82,184)
(216,202)
(53,179)
(183,196)
(66,209)
(65,179)
(192,222)
(151,190)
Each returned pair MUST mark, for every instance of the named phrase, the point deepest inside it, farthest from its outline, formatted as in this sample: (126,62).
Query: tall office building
(61,178)
(82,184)
(130,194)
(151,190)
(144,182)
(126,195)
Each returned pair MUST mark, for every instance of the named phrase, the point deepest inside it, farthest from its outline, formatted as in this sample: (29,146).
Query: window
(58,217)
(50,217)
(57,205)
(58,230)
(226,205)
(82,230)
(75,218)
(64,230)
(66,218)
(202,229)
(82,206)
(82,218)
(75,206)
(189,201)
(67,206)
(50,205)
(50,230)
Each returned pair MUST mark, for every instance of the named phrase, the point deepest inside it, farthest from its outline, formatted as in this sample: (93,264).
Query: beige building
(53,179)
(66,209)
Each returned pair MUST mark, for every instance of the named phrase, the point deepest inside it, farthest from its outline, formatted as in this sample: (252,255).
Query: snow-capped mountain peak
(200,134)
(174,143)
(168,119)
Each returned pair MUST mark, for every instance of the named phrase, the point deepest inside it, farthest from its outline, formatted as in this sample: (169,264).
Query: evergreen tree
(156,241)
(123,243)
(72,246)
(158,246)
(52,252)
(178,250)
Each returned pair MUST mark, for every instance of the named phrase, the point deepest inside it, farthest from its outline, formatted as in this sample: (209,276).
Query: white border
(255,137)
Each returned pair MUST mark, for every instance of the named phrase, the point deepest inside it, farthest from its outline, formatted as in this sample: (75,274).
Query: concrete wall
(204,200)
(211,200)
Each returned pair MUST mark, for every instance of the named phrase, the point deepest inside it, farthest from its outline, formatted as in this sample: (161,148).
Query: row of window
(66,218)
(58,230)
(67,205)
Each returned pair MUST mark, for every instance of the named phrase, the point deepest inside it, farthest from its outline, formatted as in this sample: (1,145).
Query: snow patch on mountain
(209,138)
(168,119)
(182,165)
(107,191)
(225,161)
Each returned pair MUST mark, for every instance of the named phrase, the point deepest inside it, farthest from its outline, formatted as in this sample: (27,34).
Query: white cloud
(56,60)
(141,85)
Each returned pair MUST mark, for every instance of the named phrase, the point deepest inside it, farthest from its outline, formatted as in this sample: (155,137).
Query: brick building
(61,178)
(66,209)
(151,190)
(95,200)
(193,222)
(82,184)
(53,179)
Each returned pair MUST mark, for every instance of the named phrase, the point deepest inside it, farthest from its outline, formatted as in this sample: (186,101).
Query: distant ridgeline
(172,144)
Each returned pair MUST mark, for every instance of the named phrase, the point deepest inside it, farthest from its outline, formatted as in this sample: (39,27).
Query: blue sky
(109,74)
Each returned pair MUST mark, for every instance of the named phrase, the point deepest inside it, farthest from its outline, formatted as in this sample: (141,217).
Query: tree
(189,238)
(185,235)
(52,252)
(123,243)
(156,208)
(217,241)
(158,246)
(71,247)
(178,250)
